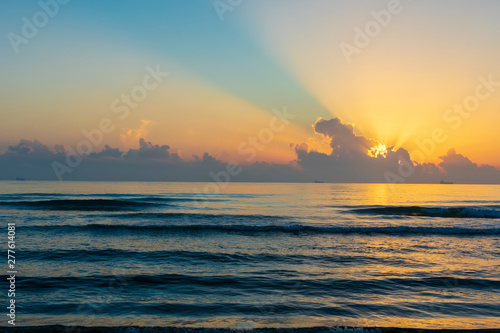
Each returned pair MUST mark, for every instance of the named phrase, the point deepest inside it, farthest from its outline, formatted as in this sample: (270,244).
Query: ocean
(253,255)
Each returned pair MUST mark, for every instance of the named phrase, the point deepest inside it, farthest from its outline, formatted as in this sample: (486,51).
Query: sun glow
(378,150)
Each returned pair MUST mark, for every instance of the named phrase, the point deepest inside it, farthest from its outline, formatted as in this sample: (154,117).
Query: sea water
(249,255)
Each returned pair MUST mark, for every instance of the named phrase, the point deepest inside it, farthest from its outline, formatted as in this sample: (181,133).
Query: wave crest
(450,212)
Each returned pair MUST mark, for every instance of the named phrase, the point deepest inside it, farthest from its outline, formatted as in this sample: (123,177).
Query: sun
(378,150)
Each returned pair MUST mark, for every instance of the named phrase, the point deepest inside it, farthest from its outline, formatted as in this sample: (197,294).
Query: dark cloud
(107,152)
(349,161)
(59,149)
(462,170)
(29,147)
(149,151)
(343,140)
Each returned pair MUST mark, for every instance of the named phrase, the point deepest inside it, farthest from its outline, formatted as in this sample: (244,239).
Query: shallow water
(255,255)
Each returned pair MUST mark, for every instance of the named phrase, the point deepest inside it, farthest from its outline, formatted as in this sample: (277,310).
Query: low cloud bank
(353,158)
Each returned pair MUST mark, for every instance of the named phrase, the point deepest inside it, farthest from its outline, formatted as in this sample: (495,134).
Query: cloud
(342,138)
(348,159)
(59,149)
(29,147)
(129,136)
(148,150)
(107,152)
(461,169)
(352,160)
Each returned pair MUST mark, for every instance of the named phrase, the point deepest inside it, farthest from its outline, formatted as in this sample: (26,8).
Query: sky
(291,90)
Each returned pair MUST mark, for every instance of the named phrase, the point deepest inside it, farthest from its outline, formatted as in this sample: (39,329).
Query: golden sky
(226,76)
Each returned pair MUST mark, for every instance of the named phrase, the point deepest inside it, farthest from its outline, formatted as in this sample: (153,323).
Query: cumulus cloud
(107,152)
(129,136)
(59,149)
(29,147)
(352,160)
(342,138)
(349,158)
(149,151)
(461,169)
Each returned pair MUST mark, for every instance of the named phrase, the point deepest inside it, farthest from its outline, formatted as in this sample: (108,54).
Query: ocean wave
(297,229)
(160,216)
(79,204)
(258,283)
(488,212)
(103,255)
(124,196)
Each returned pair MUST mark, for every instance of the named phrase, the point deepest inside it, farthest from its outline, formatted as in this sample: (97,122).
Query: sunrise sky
(230,66)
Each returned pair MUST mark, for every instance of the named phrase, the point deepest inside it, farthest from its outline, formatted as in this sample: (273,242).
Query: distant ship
(445,182)
(20,179)
(318,181)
